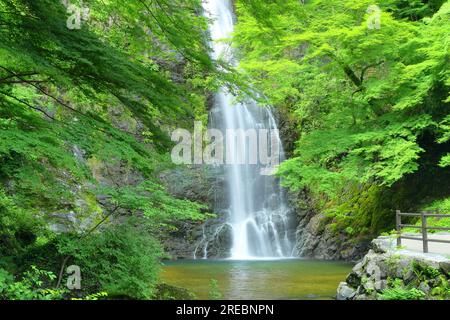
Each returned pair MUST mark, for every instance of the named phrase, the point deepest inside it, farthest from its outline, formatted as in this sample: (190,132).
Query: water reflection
(263,279)
(239,278)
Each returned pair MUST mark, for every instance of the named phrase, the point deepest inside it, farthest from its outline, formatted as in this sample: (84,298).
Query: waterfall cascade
(256,206)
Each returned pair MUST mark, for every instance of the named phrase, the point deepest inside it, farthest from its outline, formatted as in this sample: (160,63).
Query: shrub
(122,260)
(399,293)
(18,229)
(34,285)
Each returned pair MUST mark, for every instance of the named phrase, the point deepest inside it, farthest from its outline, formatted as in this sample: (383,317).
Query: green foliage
(441,206)
(34,285)
(397,290)
(361,97)
(94,296)
(118,65)
(399,293)
(425,276)
(156,204)
(369,107)
(424,272)
(214,291)
(82,108)
(369,209)
(122,260)
(442,290)
(392,262)
(414,9)
(18,230)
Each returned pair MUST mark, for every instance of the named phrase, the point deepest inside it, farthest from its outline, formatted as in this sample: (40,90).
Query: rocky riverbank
(388,273)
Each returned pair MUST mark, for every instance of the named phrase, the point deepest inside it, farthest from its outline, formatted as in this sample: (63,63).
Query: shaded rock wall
(316,239)
(209,239)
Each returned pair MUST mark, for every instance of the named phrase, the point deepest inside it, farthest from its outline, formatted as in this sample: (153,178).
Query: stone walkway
(439,251)
(433,247)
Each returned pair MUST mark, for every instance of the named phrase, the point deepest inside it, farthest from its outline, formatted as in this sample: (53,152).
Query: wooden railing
(424,227)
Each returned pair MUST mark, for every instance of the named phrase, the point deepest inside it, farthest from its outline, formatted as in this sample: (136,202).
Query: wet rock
(316,239)
(196,183)
(215,240)
(373,269)
(192,239)
(344,292)
(358,269)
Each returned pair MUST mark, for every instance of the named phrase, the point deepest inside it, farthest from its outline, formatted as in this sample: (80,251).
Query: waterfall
(256,206)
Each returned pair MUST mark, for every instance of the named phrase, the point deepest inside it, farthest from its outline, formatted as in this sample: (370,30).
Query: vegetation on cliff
(90,89)
(365,89)
(88,93)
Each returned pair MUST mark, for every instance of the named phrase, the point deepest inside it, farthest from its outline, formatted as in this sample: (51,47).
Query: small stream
(259,279)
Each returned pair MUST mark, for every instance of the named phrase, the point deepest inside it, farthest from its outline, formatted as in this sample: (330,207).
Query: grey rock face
(216,240)
(424,287)
(211,239)
(345,292)
(316,239)
(202,184)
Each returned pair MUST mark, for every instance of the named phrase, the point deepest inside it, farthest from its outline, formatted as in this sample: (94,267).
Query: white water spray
(258,214)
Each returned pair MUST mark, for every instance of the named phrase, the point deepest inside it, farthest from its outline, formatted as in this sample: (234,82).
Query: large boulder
(344,292)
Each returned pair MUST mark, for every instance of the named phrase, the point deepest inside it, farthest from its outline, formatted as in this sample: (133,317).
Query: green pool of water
(277,279)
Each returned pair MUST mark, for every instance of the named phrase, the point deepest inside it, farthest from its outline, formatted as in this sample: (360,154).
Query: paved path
(433,247)
(438,252)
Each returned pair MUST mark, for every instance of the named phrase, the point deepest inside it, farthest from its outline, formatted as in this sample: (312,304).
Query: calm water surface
(275,279)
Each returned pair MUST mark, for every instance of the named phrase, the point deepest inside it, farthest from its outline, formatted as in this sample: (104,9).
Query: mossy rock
(353,280)
(445,267)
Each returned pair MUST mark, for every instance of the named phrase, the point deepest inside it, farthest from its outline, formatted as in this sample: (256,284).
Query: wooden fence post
(398,219)
(424,232)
